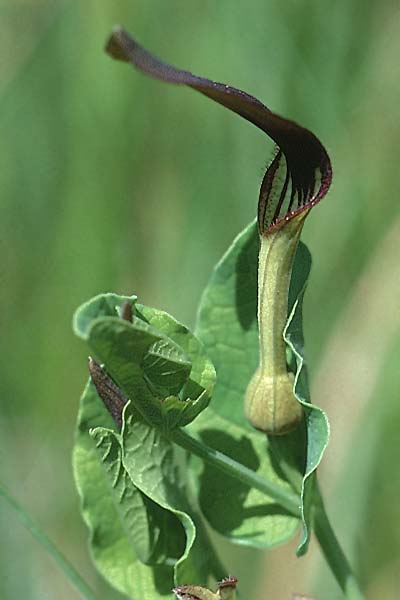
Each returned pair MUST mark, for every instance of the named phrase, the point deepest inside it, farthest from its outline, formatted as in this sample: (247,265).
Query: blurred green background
(110,181)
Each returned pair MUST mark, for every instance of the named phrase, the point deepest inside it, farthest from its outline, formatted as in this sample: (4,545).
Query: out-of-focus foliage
(111,181)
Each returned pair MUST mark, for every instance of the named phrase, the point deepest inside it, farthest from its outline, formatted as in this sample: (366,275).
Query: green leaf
(131,524)
(155,360)
(104,305)
(166,368)
(242,514)
(227,325)
(317,424)
(202,375)
(158,468)
(196,392)
(154,533)
(113,541)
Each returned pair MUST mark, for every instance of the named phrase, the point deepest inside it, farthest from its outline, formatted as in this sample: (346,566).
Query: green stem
(73,576)
(330,546)
(333,552)
(284,497)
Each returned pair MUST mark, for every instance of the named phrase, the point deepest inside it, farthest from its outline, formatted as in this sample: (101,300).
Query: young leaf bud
(226,591)
(114,400)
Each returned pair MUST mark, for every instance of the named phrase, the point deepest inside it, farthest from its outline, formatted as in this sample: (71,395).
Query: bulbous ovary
(270,404)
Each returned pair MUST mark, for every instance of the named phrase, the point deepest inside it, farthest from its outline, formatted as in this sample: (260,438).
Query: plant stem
(330,546)
(284,497)
(333,552)
(70,572)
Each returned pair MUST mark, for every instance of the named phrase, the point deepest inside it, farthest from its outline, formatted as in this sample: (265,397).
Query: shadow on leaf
(217,490)
(246,277)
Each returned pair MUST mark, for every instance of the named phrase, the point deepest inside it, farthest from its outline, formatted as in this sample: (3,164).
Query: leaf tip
(115,44)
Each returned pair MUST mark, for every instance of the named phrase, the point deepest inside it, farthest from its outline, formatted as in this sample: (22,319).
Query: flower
(300,174)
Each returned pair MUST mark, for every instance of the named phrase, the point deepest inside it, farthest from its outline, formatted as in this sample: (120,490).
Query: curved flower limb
(300,174)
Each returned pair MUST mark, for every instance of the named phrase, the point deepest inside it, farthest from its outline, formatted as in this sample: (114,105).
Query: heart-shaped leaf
(227,325)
